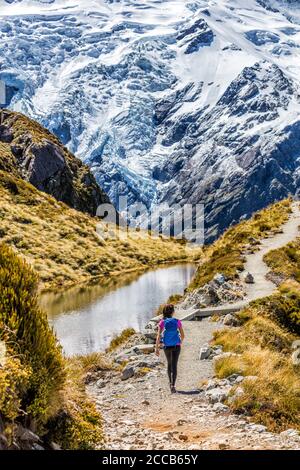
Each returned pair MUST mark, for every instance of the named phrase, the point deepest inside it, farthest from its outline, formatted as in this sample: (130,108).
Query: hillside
(62,244)
(30,152)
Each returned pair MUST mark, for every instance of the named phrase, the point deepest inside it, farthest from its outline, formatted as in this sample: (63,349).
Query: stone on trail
(249,279)
(127,373)
(220,408)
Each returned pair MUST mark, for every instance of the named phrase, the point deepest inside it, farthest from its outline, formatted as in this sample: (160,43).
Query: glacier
(167,101)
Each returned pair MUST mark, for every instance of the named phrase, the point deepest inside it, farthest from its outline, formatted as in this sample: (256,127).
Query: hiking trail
(140,413)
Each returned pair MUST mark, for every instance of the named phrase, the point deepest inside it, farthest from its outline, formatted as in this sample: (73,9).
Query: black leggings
(172,355)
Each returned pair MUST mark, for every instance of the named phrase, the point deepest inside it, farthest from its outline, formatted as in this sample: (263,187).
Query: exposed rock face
(37,156)
(232,168)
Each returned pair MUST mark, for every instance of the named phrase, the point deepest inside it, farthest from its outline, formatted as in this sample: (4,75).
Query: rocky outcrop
(32,153)
(232,168)
(216,292)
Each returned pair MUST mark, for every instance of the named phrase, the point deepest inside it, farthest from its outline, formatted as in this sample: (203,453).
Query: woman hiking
(170,335)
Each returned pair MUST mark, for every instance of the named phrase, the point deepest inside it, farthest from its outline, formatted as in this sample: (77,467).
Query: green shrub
(25,330)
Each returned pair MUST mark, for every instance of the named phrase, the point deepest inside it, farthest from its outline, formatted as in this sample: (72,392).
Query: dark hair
(168,310)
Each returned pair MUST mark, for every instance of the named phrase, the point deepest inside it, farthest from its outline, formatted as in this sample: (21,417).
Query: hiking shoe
(173,389)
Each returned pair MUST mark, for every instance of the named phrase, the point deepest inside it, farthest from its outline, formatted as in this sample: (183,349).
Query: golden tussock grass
(263,349)
(62,244)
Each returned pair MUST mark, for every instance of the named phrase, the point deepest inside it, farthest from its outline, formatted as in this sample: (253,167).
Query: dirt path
(140,413)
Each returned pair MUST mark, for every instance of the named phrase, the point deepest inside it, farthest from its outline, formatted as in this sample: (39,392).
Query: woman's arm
(157,344)
(181,333)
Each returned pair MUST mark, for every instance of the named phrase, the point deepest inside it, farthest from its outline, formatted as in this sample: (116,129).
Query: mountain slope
(63,245)
(190,101)
(30,152)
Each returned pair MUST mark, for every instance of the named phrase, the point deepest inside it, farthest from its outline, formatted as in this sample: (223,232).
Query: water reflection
(86,319)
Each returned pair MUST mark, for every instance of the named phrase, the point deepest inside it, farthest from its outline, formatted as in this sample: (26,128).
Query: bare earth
(140,413)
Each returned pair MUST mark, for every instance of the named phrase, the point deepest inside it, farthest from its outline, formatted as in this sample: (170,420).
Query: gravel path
(191,370)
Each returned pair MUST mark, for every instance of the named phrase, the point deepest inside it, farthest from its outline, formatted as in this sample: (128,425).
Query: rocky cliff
(30,152)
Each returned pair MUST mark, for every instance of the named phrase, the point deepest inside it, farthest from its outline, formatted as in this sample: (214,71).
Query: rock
(146,402)
(220,408)
(120,359)
(156,319)
(25,435)
(204,353)
(100,383)
(230,320)
(181,422)
(219,278)
(239,392)
(225,355)
(144,349)
(257,428)
(3,442)
(211,384)
(37,447)
(223,446)
(290,433)
(249,279)
(216,395)
(251,377)
(210,296)
(44,162)
(54,446)
(152,325)
(127,373)
(235,378)
(183,437)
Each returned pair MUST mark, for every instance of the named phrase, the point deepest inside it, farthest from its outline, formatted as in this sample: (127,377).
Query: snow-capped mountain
(178,101)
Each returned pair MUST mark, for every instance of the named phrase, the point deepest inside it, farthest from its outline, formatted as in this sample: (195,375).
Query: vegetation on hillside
(226,254)
(36,386)
(285,262)
(263,347)
(62,244)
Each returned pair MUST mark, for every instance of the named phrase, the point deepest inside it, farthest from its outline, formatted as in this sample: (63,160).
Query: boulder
(217,395)
(220,408)
(25,435)
(258,428)
(219,278)
(54,446)
(205,352)
(249,279)
(235,378)
(127,373)
(290,433)
(144,348)
(230,320)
